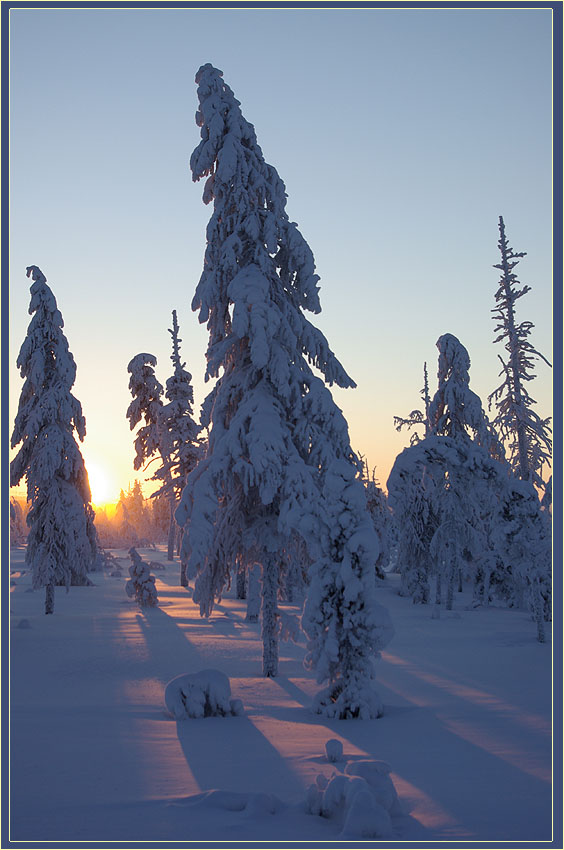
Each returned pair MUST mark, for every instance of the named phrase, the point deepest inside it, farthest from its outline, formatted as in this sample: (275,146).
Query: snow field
(466,726)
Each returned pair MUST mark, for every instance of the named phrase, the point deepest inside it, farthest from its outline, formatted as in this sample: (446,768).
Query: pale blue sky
(401,136)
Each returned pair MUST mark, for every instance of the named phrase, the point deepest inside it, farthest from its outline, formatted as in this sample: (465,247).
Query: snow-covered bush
(334,750)
(289,628)
(362,797)
(62,539)
(141,585)
(203,694)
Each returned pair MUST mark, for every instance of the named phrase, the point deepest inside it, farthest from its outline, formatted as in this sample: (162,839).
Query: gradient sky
(401,136)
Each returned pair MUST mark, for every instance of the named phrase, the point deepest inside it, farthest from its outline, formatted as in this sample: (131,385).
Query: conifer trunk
(183,576)
(438,590)
(486,591)
(538,612)
(404,589)
(253,595)
(171,531)
(269,616)
(450,587)
(49,598)
(450,593)
(241,585)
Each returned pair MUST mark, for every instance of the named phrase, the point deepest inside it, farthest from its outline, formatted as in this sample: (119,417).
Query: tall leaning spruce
(279,461)
(62,540)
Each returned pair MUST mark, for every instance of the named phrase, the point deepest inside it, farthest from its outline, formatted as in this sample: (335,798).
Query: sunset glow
(100,484)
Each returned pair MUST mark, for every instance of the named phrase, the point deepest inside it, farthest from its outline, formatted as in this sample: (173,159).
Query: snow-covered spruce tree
(455,411)
(17,523)
(417,417)
(126,532)
(62,540)
(179,442)
(526,434)
(141,585)
(379,511)
(146,405)
(438,519)
(546,501)
(277,463)
(411,498)
(525,540)
(294,569)
(345,625)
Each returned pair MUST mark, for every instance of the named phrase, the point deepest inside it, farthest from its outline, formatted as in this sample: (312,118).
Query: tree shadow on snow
(456,778)
(168,645)
(231,754)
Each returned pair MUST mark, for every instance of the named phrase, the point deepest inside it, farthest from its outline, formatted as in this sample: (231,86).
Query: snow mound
(23,624)
(366,819)
(363,797)
(249,804)
(203,694)
(376,774)
(334,750)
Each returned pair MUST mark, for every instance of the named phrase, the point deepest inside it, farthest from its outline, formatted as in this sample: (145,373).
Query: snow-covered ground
(95,756)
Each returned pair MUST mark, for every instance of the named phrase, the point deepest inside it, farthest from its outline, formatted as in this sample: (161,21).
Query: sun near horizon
(103,488)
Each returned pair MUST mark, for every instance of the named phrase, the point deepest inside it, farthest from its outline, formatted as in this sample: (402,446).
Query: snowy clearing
(466,729)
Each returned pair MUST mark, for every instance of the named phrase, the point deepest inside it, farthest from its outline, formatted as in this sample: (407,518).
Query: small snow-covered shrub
(289,628)
(362,797)
(376,774)
(366,818)
(141,585)
(203,694)
(334,750)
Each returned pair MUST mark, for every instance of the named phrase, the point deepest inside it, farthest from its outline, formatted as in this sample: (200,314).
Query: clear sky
(401,136)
